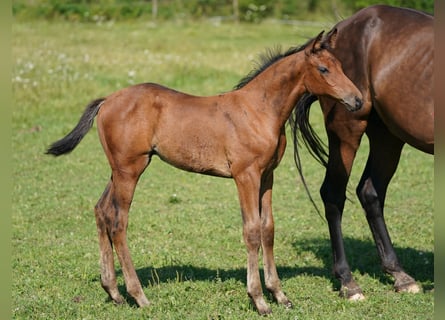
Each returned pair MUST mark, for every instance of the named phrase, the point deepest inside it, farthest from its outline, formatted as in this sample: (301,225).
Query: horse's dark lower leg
(272,280)
(376,221)
(381,165)
(349,288)
(333,194)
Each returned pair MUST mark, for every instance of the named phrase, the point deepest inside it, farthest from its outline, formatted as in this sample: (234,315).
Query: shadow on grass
(362,257)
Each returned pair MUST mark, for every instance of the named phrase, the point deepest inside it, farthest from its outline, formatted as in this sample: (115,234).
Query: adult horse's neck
(276,90)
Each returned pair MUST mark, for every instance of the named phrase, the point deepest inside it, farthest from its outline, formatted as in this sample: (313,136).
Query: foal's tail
(72,139)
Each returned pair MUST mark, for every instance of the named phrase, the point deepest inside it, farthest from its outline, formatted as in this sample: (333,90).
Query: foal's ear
(332,38)
(315,45)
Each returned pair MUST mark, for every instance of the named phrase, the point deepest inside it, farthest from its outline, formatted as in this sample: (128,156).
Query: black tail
(301,127)
(72,139)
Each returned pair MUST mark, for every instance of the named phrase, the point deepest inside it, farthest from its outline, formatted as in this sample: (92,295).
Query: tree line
(238,10)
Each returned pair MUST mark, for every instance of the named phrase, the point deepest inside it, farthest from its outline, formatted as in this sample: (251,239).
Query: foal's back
(197,134)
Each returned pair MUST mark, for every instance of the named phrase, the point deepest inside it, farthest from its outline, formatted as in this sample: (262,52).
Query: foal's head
(324,76)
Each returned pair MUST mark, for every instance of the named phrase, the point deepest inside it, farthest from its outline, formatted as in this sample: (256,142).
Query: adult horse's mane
(266,59)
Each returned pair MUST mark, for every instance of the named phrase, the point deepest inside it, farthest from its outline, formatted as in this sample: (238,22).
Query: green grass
(185,229)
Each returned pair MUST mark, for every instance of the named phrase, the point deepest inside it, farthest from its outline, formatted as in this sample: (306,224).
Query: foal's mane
(266,59)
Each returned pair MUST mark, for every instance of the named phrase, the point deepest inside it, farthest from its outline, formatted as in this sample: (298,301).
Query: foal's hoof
(117,299)
(281,298)
(288,305)
(265,312)
(143,302)
(261,306)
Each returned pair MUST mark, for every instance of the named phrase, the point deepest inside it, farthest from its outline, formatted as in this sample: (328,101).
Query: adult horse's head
(324,75)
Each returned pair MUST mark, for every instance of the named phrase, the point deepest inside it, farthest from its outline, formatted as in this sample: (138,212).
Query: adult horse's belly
(402,91)
(414,126)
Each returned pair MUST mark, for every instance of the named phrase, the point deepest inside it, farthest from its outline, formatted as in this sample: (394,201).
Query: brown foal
(238,134)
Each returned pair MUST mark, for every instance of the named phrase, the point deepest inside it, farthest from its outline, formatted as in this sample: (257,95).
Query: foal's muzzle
(353,104)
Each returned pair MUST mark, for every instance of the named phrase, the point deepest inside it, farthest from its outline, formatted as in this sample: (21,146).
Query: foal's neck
(277,89)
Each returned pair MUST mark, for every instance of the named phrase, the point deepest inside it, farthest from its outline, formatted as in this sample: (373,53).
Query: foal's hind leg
(112,221)
(267,241)
(108,274)
(384,155)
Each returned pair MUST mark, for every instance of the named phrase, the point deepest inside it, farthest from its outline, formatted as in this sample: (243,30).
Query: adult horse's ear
(332,38)
(315,45)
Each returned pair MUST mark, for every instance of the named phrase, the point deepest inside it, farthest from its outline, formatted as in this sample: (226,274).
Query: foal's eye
(323,70)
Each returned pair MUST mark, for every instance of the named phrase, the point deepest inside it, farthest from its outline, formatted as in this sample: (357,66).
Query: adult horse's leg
(112,221)
(267,241)
(248,185)
(384,155)
(344,139)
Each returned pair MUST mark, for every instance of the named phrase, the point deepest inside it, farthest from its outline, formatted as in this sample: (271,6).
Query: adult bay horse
(238,134)
(388,53)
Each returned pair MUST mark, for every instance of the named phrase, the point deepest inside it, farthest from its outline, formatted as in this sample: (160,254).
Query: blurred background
(238,10)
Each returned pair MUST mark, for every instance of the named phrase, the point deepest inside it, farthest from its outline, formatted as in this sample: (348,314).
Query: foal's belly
(195,156)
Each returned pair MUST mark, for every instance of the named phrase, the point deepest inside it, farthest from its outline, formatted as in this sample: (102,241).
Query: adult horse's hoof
(405,283)
(352,294)
(356,297)
(413,288)
(410,288)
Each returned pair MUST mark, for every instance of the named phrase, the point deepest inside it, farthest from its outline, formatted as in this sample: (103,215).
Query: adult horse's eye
(323,70)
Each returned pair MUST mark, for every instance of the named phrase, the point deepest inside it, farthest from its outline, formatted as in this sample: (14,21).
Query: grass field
(185,229)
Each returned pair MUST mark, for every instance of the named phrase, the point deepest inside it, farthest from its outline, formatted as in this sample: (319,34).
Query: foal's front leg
(267,241)
(248,185)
